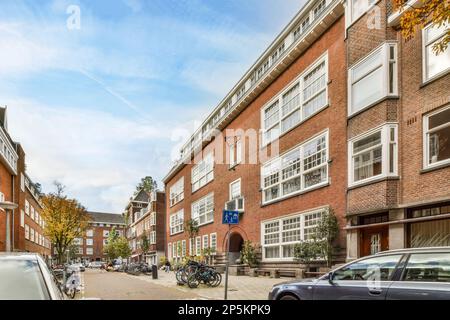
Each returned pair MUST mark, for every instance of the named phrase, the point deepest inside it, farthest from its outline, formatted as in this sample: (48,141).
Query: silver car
(25,276)
(406,274)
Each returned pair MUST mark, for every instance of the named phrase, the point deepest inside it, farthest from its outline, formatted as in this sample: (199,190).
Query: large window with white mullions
(177,222)
(437,138)
(373,78)
(203,172)
(300,169)
(306,96)
(279,236)
(202,211)
(373,155)
(434,64)
(177,192)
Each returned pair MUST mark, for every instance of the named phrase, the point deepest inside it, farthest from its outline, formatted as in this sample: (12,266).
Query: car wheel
(288,297)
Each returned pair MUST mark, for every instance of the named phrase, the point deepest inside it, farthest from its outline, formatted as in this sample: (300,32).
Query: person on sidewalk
(167,265)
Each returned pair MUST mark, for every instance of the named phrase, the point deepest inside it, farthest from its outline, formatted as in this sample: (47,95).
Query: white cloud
(135,5)
(97,155)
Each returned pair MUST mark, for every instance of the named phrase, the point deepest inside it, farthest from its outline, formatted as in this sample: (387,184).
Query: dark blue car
(419,274)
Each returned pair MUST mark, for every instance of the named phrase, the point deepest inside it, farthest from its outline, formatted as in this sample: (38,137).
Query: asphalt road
(120,286)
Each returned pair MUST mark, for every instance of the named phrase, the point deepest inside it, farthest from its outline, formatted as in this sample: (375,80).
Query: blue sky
(100,107)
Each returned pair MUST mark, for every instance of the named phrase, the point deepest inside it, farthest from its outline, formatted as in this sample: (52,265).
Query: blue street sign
(230,217)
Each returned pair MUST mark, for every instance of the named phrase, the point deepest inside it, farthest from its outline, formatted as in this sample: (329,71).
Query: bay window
(177,222)
(437,138)
(373,78)
(202,211)
(434,64)
(177,192)
(356,8)
(279,236)
(373,155)
(302,99)
(203,172)
(302,168)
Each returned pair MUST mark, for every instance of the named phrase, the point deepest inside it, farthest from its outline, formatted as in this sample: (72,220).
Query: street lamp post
(8,206)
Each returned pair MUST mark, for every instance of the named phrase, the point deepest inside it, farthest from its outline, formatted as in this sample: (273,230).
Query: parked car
(78,266)
(95,264)
(420,273)
(25,276)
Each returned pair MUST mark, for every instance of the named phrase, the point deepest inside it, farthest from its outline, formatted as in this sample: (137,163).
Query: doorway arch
(236,244)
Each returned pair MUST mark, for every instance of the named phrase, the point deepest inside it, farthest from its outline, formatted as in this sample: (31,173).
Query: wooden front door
(374,240)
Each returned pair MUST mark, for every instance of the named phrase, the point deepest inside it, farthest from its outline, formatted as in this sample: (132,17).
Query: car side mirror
(331,277)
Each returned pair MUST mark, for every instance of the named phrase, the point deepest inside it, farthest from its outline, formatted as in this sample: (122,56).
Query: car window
(21,280)
(380,267)
(428,267)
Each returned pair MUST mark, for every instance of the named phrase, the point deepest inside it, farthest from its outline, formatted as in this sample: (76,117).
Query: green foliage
(145,243)
(147,184)
(321,245)
(191,227)
(249,254)
(117,246)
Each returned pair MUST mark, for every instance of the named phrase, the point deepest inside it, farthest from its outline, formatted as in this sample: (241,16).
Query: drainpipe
(13,210)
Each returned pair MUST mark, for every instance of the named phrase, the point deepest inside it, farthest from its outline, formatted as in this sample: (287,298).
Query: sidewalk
(239,287)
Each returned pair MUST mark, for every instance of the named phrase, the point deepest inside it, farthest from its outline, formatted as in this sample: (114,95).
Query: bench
(273,273)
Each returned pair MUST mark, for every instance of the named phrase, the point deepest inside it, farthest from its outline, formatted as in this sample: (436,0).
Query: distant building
(91,246)
(145,215)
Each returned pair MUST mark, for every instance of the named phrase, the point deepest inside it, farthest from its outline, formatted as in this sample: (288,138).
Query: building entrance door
(374,240)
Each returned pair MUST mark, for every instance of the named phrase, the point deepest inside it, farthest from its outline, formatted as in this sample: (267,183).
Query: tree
(145,245)
(248,254)
(117,246)
(65,219)
(191,227)
(436,12)
(327,231)
(147,184)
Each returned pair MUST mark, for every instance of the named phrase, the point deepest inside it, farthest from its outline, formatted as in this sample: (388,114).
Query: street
(121,286)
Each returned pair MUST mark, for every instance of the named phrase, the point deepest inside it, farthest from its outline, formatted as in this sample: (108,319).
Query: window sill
(206,223)
(323,185)
(174,234)
(391,97)
(233,167)
(366,183)
(202,186)
(435,78)
(173,205)
(436,167)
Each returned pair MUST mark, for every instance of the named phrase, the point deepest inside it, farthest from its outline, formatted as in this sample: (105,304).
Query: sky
(102,98)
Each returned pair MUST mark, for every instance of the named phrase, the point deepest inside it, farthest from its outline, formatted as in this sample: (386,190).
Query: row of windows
(34,236)
(33,214)
(198,246)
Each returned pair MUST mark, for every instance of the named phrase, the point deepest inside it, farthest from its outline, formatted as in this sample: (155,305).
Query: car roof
(415,250)
(19,255)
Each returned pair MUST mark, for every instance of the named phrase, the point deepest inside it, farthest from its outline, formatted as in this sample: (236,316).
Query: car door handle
(375,291)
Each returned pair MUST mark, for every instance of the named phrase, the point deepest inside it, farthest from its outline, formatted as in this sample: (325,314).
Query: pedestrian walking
(167,265)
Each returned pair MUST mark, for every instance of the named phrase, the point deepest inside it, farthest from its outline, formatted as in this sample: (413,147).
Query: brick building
(146,215)
(398,134)
(292,99)
(91,246)
(26,226)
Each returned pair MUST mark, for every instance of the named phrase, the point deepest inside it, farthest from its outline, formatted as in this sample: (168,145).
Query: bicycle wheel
(217,279)
(193,281)
(179,275)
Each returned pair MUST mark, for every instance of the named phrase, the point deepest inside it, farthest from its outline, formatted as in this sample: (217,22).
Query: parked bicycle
(194,273)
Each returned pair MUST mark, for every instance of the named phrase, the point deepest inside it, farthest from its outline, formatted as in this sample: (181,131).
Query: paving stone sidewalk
(239,287)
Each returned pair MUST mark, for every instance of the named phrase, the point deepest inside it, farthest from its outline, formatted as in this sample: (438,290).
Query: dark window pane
(428,267)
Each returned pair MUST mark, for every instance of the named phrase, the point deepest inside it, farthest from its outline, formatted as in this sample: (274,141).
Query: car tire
(288,297)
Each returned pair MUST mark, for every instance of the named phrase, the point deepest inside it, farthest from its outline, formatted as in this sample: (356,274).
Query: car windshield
(21,280)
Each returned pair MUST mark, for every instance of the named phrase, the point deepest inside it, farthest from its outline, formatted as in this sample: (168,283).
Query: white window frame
(191,246)
(277,162)
(426,43)
(299,107)
(183,248)
(386,64)
(22,182)
(213,240)
(195,215)
(22,218)
(169,251)
(177,192)
(153,219)
(349,10)
(89,242)
(203,172)
(105,233)
(385,153)
(198,246)
(89,251)
(27,207)
(27,232)
(89,233)
(177,222)
(237,181)
(205,241)
(426,140)
(280,242)
(152,237)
